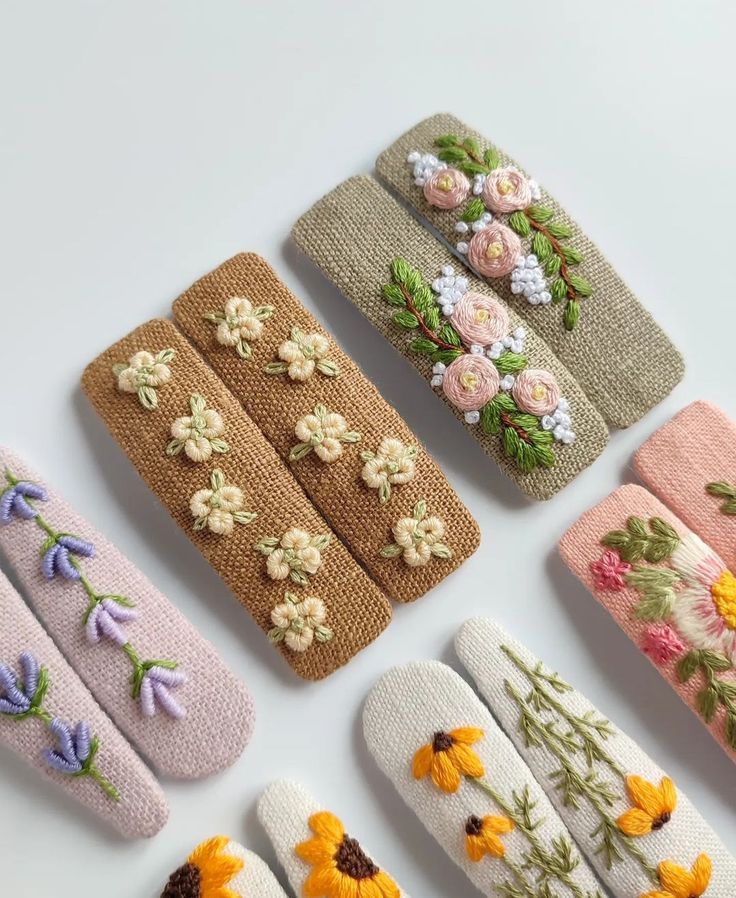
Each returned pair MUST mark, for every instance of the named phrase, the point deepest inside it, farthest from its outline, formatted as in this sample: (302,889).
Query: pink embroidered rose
(609,571)
(506,190)
(480,319)
(662,643)
(446,188)
(470,382)
(494,251)
(536,391)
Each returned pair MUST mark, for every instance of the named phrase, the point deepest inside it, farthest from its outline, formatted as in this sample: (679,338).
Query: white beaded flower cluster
(450,289)
(424,164)
(528,280)
(463,227)
(559,423)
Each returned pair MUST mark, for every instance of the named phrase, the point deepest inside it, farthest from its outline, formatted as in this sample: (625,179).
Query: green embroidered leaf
(424,299)
(432,317)
(637,542)
(511,441)
(558,230)
(527,422)
(544,454)
(490,418)
(440,550)
(165,356)
(423,346)
(729,507)
(243,350)
(174,447)
(552,266)
(715,662)
(392,551)
(393,295)
(473,211)
(453,155)
(558,289)
(471,168)
(731,729)
(446,140)
(656,605)
(446,356)
(510,363)
(212,317)
(541,247)
(518,222)
(707,702)
(648,578)
(219,446)
(580,285)
(328,368)
(687,666)
(404,275)
(244,517)
(472,146)
(276,368)
(492,158)
(541,437)
(448,334)
(721,488)
(407,320)
(572,256)
(147,398)
(571,315)
(505,402)
(540,214)
(420,510)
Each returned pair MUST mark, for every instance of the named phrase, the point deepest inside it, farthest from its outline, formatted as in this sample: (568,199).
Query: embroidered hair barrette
(506,227)
(499,378)
(161,682)
(355,457)
(51,721)
(225,485)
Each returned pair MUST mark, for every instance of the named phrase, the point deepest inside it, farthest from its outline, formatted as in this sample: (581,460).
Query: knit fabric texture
(357,611)
(697,447)
(142,810)
(581,548)
(219,710)
(620,356)
(284,810)
(276,404)
(552,725)
(354,233)
(407,709)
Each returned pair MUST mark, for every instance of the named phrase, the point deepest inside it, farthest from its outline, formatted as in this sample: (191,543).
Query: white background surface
(142,143)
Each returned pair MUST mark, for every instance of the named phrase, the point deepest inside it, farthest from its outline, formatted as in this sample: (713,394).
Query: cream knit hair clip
(509,230)
(161,682)
(51,721)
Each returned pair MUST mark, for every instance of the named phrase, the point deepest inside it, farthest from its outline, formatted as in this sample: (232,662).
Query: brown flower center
(183,883)
(660,821)
(474,826)
(441,742)
(353,861)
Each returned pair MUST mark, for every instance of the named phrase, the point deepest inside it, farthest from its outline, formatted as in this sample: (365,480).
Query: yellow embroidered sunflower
(680,883)
(654,805)
(482,836)
(448,757)
(340,867)
(206,874)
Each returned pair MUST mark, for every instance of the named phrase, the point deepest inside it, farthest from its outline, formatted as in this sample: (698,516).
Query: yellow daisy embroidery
(680,883)
(448,757)
(654,805)
(482,836)
(206,874)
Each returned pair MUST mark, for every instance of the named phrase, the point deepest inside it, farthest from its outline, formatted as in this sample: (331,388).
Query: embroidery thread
(418,538)
(220,507)
(296,555)
(198,434)
(721,489)
(299,622)
(677,882)
(239,324)
(392,464)
(302,355)
(143,374)
(207,872)
(323,433)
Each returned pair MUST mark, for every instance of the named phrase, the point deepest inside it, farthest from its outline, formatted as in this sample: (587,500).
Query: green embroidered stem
(654,542)
(522,437)
(91,770)
(525,890)
(721,489)
(716,692)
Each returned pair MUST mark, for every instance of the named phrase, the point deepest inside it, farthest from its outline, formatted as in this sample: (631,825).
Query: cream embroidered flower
(299,622)
(239,324)
(323,432)
(143,374)
(418,538)
(198,434)
(295,555)
(393,463)
(220,507)
(301,355)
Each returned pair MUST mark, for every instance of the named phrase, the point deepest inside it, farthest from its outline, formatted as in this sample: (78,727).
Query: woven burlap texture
(276,403)
(681,839)
(695,448)
(581,545)
(357,610)
(353,234)
(142,810)
(619,354)
(220,713)
(403,711)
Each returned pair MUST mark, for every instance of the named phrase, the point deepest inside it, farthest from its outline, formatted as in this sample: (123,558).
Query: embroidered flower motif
(295,555)
(59,553)
(560,423)
(470,382)
(494,250)
(340,867)
(301,355)
(654,806)
(14,499)
(662,643)
(392,464)
(536,391)
(104,620)
(198,434)
(143,374)
(528,280)
(446,188)
(609,571)
(156,680)
(220,507)
(480,320)
(450,289)
(298,622)
(418,538)
(207,872)
(678,882)
(22,696)
(323,432)
(448,757)
(481,836)
(506,190)
(76,753)
(239,324)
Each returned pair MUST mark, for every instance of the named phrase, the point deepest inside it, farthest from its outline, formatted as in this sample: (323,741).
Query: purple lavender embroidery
(155,690)
(58,557)
(104,622)
(14,498)
(73,747)
(18,695)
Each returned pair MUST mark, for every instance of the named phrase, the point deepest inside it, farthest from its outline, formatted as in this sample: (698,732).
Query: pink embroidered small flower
(480,320)
(446,188)
(609,571)
(470,382)
(662,644)
(494,250)
(506,190)
(536,391)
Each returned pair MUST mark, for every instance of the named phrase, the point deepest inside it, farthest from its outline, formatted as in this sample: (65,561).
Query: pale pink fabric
(142,810)
(698,446)
(581,546)
(220,715)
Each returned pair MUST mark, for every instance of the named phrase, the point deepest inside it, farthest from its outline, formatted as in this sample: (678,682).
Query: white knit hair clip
(638,830)
(320,859)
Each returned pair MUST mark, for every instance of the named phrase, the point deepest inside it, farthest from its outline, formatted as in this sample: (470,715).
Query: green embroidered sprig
(726,491)
(654,541)
(716,692)
(522,436)
(537,222)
